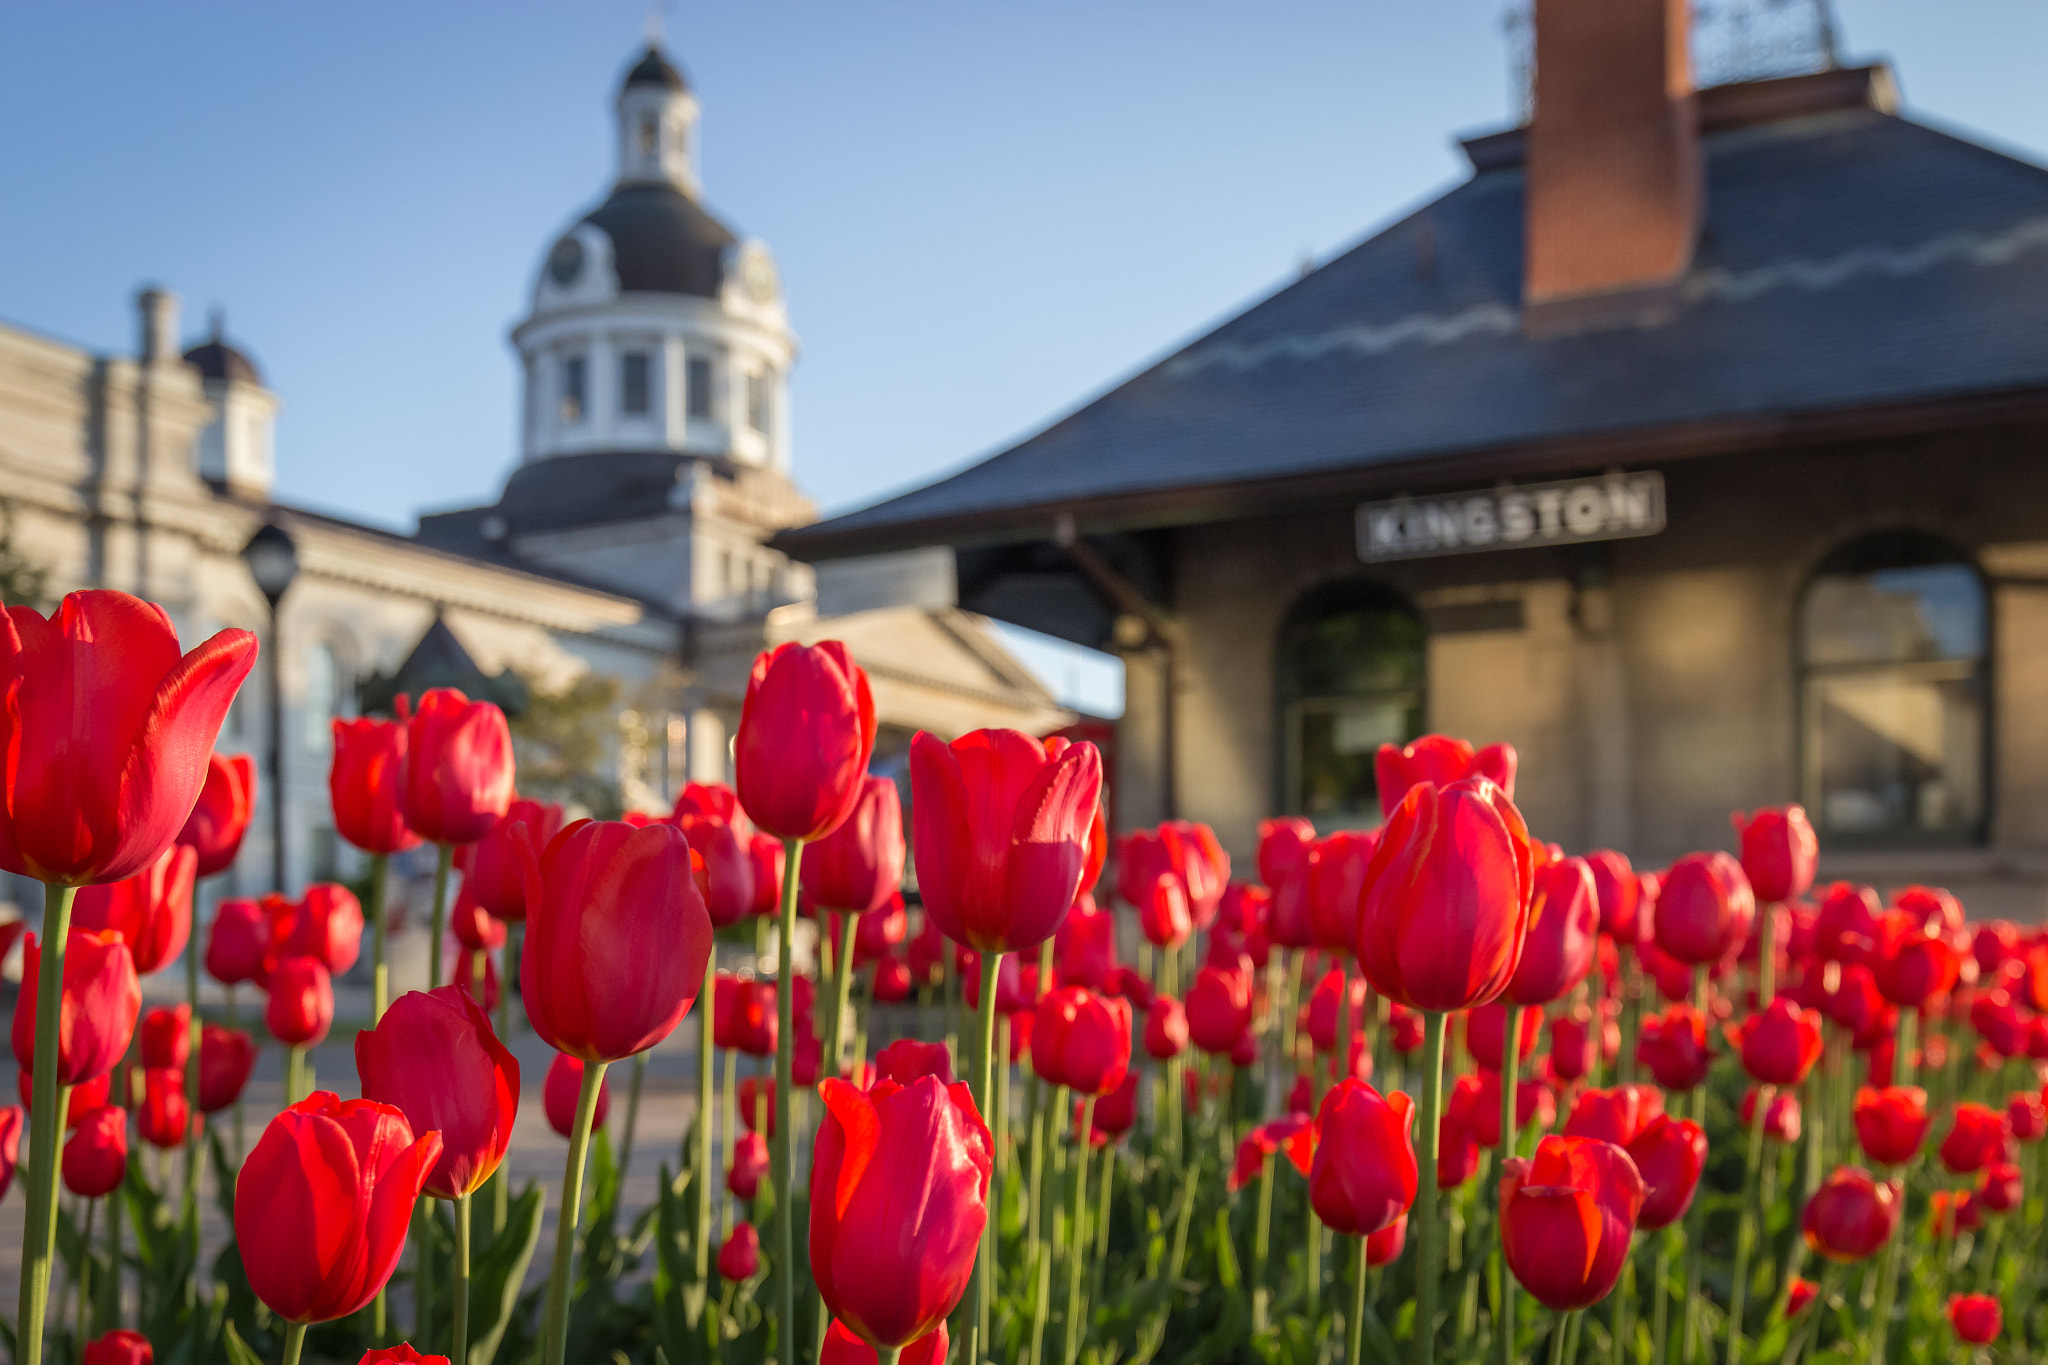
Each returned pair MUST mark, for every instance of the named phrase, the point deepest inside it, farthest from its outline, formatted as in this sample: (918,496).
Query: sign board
(1513,517)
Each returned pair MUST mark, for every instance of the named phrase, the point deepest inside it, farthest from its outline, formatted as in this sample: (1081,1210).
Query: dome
(656,69)
(663,241)
(215,359)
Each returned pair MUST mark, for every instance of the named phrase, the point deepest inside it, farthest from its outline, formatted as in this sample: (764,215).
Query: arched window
(1350,678)
(1892,691)
(329,693)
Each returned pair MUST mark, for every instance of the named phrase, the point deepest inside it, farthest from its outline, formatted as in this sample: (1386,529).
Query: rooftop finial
(217,320)
(654,23)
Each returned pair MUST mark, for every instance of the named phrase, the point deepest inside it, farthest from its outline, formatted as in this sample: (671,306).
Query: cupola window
(757,402)
(697,378)
(650,136)
(575,387)
(635,384)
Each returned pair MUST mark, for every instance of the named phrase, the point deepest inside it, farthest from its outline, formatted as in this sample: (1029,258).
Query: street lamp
(273,561)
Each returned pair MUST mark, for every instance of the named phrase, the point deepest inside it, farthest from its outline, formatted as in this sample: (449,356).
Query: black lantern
(273,561)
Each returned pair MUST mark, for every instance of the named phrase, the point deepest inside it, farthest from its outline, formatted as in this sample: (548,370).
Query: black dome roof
(663,241)
(656,69)
(216,359)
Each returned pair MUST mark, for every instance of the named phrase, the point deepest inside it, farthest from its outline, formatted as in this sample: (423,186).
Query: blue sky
(984,212)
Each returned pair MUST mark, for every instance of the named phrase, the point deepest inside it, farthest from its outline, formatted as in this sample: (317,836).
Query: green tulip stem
(1558,1333)
(1262,1244)
(1907,1040)
(46,1123)
(842,992)
(1429,1249)
(1696,1217)
(423,1271)
(785,1054)
(555,1325)
(1745,1231)
(632,1113)
(1888,1282)
(1078,1235)
(192,1074)
(706,1171)
(294,1342)
(380,971)
(888,1355)
(1340,1064)
(984,1089)
(294,1075)
(1354,1351)
(1102,1206)
(459,1303)
(1510,1081)
(1624,1297)
(1312,1270)
(444,858)
(1660,1290)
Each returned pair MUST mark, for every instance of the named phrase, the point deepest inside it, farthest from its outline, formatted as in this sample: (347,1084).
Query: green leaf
(495,1277)
(238,1353)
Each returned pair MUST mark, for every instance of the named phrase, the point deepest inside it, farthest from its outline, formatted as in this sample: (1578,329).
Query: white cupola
(237,449)
(657,125)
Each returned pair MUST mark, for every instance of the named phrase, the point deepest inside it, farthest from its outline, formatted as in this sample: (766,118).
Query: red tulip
(892,983)
(401,1354)
(165,1037)
(1446,904)
(1241,925)
(1384,1247)
(1779,1044)
(1486,1033)
(561,1091)
(326,925)
(1976,1318)
(1619,1116)
(151,911)
(96,1010)
(2026,1116)
(1802,1294)
(1407,1028)
(119,1347)
(1932,909)
(458,767)
(1851,1215)
(1781,1115)
(1912,966)
(239,940)
(899,1198)
(765,852)
(617,936)
(859,865)
(1457,1151)
(1977,1138)
(1571,1046)
(807,728)
(1187,852)
(880,932)
(1166,1028)
(756,1100)
(226,1056)
(106,734)
(322,1203)
(1084,949)
(749,1164)
(1335,882)
(1364,1175)
(85,1096)
(1219,1008)
(1286,864)
(1704,909)
(1674,1046)
(1779,849)
(1999,1022)
(1857,1005)
(475,929)
(906,1059)
(1617,891)
(1163,912)
(1950,1213)
(493,872)
(2000,1187)
(1319,1016)
(301,1007)
(1115,1113)
(1098,828)
(1566,1218)
(1440,761)
(96,1156)
(1477,1095)
(1293,1135)
(164,1114)
(227,802)
(1994,944)
(1846,924)
(844,1348)
(740,1255)
(1081,1040)
(366,783)
(1891,1123)
(436,1059)
(1564,925)
(1001,834)
(1670,1153)
(743,1015)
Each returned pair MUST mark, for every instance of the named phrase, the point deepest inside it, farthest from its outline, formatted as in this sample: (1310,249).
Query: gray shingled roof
(1850,259)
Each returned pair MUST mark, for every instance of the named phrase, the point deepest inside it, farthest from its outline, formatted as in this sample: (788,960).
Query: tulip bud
(1618,1116)
(164,1114)
(1978,1138)
(366,783)
(301,1007)
(1564,925)
(1779,850)
(238,942)
(97,1006)
(1704,908)
(1219,1008)
(1081,1040)
(749,1164)
(740,1256)
(1851,1215)
(1780,1044)
(435,1057)
(1673,1046)
(1670,1153)
(1566,1218)
(226,1057)
(458,767)
(807,728)
(165,1037)
(1891,1123)
(1780,1115)
(1364,1175)
(96,1155)
(1976,1318)
(118,1347)
(227,802)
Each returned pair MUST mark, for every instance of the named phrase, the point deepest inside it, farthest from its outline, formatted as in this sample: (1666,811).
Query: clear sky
(984,212)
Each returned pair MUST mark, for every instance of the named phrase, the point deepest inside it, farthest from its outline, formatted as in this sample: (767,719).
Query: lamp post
(273,561)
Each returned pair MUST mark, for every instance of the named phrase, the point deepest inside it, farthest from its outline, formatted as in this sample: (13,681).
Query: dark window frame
(636,382)
(1295,698)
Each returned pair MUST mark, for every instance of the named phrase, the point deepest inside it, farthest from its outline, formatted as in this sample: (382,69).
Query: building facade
(1697,444)
(629,543)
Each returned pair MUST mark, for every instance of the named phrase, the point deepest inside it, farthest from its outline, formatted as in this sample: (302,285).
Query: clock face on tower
(757,275)
(565,262)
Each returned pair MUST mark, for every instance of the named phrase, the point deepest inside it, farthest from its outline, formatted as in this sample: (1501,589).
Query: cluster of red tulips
(1814,1036)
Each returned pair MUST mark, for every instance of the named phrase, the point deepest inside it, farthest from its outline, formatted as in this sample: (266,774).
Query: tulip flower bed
(1435,1092)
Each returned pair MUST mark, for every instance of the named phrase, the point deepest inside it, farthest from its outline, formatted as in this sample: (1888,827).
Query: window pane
(1895,616)
(633,382)
(698,375)
(1335,743)
(1897,750)
(1351,679)
(757,402)
(575,373)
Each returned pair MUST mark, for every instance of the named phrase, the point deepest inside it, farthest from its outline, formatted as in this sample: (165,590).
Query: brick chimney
(1614,193)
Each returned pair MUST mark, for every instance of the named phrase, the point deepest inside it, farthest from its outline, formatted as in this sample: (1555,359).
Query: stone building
(1697,444)
(628,543)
